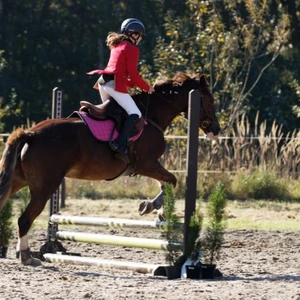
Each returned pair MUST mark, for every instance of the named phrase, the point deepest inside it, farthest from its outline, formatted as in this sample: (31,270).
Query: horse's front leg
(146,207)
(156,171)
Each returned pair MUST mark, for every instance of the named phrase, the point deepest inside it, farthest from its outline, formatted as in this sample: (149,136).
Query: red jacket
(123,62)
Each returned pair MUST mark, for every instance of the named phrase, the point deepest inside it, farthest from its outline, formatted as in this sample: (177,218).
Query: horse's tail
(8,162)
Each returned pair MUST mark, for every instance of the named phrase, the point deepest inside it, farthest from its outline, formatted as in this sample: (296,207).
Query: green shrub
(25,199)
(214,232)
(6,229)
(173,235)
(194,242)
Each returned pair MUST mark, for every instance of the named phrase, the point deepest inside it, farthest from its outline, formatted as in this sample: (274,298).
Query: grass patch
(245,185)
(259,185)
(263,215)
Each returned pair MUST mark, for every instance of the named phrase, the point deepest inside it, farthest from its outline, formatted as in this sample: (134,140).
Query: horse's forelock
(181,77)
(166,84)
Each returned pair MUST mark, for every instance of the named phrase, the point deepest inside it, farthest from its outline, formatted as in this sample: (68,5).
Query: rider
(120,74)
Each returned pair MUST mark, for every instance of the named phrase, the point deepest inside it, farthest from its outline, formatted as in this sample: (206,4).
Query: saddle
(111,110)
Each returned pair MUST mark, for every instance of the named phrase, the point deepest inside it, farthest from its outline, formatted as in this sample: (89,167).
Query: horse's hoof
(28,260)
(34,262)
(161,215)
(145,208)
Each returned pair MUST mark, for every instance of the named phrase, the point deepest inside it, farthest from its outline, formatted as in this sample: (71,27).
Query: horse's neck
(158,110)
(162,117)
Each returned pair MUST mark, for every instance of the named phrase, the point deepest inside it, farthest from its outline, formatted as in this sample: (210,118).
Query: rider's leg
(102,91)
(124,100)
(120,144)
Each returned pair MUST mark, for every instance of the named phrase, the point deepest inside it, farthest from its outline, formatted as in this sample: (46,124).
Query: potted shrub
(194,245)
(207,246)
(6,229)
(214,233)
(172,235)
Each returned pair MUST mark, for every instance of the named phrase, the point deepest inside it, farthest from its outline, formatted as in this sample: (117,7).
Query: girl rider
(121,73)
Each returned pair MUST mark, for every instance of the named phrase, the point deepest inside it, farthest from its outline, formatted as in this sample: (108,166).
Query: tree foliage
(233,42)
(250,50)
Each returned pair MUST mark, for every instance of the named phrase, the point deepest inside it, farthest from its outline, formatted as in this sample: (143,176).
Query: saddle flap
(105,130)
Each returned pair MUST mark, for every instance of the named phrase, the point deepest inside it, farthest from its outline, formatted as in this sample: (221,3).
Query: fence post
(54,201)
(192,162)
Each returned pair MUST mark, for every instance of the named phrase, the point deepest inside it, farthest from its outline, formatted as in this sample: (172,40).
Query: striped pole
(114,223)
(115,240)
(155,270)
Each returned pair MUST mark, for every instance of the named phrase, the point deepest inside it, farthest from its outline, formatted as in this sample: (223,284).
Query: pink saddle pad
(103,130)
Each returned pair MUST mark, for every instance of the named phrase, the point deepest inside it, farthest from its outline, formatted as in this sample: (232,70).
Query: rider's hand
(151,89)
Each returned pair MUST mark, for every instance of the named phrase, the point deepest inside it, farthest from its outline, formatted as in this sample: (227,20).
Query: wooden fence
(232,154)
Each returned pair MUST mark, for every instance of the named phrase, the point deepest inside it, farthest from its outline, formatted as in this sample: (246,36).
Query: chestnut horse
(41,156)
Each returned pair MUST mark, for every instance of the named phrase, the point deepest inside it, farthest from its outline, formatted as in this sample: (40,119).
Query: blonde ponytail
(113,39)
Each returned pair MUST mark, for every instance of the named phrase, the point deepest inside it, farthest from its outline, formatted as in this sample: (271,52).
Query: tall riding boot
(121,143)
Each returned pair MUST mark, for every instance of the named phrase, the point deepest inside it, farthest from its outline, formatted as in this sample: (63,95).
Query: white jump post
(54,201)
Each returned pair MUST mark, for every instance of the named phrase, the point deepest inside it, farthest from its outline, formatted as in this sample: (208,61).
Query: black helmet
(132,25)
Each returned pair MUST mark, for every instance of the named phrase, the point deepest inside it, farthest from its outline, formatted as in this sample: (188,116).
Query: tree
(51,43)
(233,42)
(2,65)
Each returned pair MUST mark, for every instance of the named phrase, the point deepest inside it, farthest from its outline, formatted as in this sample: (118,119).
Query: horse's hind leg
(35,207)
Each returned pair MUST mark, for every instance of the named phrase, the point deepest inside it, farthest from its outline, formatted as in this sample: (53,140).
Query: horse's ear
(203,81)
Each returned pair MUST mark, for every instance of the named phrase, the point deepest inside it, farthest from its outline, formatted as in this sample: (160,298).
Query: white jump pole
(114,240)
(114,223)
(90,261)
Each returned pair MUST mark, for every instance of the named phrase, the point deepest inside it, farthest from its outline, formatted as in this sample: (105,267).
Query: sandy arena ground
(255,265)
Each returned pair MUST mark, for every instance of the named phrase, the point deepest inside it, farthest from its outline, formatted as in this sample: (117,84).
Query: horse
(41,156)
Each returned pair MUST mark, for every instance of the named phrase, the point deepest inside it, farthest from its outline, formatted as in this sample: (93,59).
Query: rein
(168,101)
(155,125)
(148,119)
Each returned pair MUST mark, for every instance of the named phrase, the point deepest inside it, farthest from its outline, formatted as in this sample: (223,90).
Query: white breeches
(123,99)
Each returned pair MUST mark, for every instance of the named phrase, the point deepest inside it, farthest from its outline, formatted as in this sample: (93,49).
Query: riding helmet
(132,25)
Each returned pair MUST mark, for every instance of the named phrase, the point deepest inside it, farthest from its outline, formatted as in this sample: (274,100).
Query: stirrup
(114,146)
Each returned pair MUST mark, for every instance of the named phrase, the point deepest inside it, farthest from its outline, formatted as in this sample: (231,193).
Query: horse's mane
(166,84)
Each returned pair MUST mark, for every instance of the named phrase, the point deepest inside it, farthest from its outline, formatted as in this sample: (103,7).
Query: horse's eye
(205,124)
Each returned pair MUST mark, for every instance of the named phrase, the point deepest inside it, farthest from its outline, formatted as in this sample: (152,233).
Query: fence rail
(232,154)
(202,137)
